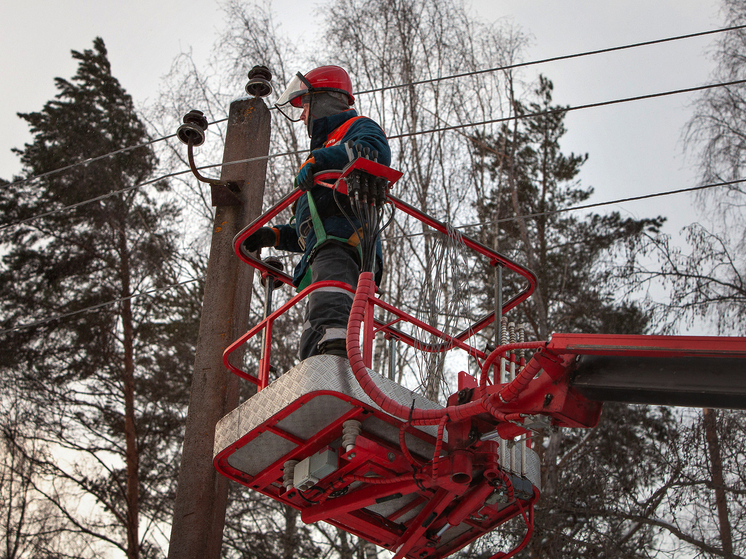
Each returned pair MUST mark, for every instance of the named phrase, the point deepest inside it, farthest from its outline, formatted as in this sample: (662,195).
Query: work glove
(264,237)
(304,178)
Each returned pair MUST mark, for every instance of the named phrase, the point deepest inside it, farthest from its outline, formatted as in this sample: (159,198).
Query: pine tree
(532,177)
(587,478)
(107,386)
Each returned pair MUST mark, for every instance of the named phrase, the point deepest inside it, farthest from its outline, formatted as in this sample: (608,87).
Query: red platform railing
(261,379)
(389,328)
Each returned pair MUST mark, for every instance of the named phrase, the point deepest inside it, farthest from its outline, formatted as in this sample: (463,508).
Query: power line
(94,307)
(555,59)
(623,200)
(516,117)
(569,109)
(421,82)
(90,200)
(502,220)
(443,129)
(136,186)
(585,206)
(87,161)
(97,158)
(399,136)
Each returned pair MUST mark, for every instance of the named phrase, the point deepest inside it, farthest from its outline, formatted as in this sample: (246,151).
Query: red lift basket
(342,444)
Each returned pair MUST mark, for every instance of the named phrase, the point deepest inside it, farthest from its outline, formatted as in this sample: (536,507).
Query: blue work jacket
(362,131)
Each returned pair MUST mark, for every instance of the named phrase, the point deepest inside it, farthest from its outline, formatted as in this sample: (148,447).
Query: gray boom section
(706,382)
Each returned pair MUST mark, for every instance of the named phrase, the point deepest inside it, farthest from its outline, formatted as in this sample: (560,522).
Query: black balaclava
(323,104)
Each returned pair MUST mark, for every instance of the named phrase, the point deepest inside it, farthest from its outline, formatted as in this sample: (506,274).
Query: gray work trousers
(328,308)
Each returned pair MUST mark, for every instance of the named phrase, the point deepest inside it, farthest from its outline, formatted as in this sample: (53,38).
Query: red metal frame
(389,329)
(444,501)
(655,346)
(411,530)
(494,257)
(372,328)
(442,490)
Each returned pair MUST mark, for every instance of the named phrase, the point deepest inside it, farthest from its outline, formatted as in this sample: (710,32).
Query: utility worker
(322,100)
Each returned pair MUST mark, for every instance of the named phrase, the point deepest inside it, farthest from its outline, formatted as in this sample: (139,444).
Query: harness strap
(322,237)
(318,224)
(339,133)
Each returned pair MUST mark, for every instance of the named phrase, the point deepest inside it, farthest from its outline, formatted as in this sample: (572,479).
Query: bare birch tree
(399,52)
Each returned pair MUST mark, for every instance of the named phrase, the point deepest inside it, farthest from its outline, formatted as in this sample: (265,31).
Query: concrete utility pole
(199,510)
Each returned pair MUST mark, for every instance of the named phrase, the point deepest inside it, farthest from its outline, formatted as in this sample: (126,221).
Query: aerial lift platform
(343,444)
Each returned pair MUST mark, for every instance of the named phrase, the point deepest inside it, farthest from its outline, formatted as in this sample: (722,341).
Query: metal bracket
(226,193)
(192,133)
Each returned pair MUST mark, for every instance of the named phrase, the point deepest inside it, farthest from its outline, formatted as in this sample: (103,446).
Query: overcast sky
(634,148)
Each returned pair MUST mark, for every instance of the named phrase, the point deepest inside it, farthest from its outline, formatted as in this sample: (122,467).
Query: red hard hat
(323,78)
(331,78)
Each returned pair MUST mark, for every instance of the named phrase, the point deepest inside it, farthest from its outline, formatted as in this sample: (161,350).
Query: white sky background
(634,148)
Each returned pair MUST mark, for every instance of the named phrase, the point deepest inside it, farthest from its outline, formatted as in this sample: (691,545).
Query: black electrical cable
(86,161)
(377,228)
(97,158)
(527,216)
(623,200)
(133,187)
(516,117)
(555,59)
(588,206)
(90,200)
(368,208)
(421,82)
(569,109)
(400,136)
(94,307)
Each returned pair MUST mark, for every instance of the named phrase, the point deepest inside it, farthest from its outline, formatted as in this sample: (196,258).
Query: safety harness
(318,225)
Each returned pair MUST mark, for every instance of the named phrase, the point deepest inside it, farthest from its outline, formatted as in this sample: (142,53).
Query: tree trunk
(128,387)
(551,471)
(290,540)
(344,545)
(713,446)
(368,550)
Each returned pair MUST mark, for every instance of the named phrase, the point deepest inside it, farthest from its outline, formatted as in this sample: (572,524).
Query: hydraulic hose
(366,288)
(516,386)
(529,529)
(497,352)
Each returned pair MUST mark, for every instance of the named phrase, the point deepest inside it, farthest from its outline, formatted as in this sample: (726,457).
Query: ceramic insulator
(288,469)
(350,430)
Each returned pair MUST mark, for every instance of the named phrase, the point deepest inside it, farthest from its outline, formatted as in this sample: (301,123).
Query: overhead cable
(584,207)
(86,161)
(90,200)
(555,59)
(502,220)
(623,200)
(568,109)
(136,186)
(97,158)
(399,136)
(424,82)
(511,118)
(94,307)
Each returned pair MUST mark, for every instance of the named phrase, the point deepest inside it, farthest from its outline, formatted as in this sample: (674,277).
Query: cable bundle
(367,197)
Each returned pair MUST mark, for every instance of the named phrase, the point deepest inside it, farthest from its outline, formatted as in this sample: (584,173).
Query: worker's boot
(334,347)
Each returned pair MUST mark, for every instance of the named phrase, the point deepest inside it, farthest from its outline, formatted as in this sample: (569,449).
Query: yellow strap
(354,239)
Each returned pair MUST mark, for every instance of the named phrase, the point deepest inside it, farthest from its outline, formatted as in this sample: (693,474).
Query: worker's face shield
(290,103)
